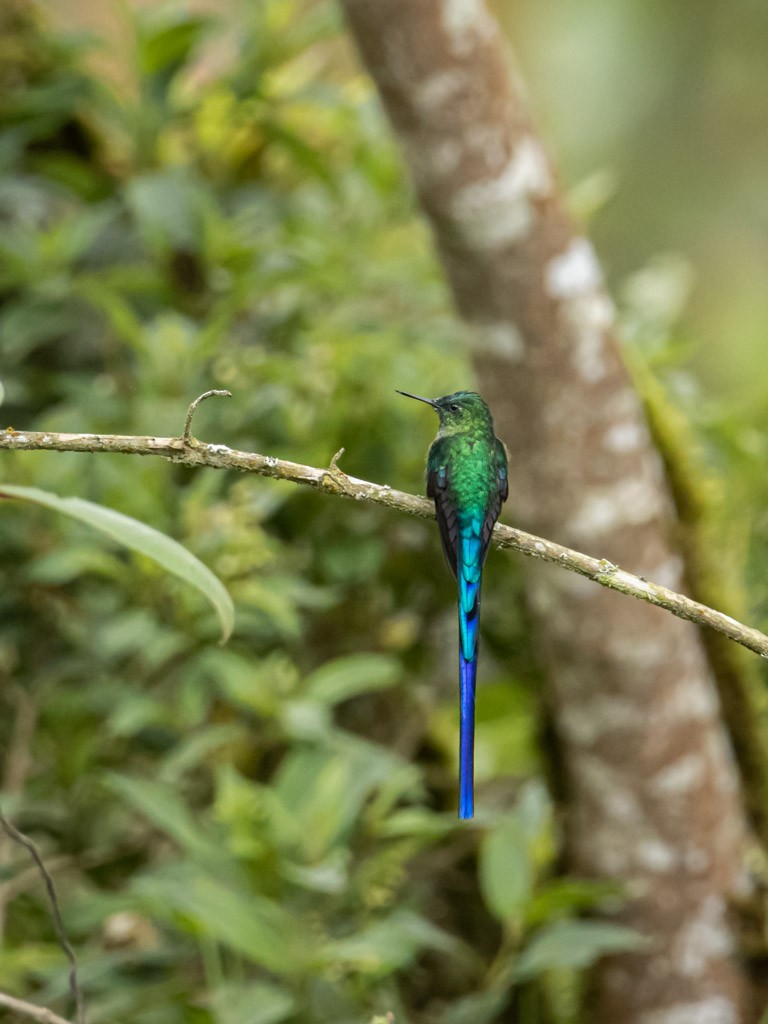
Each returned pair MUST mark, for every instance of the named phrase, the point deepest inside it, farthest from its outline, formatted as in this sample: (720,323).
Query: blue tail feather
(467,674)
(468,617)
(469,577)
(470,557)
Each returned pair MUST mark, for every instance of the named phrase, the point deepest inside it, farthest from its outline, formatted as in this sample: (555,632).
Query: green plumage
(467,478)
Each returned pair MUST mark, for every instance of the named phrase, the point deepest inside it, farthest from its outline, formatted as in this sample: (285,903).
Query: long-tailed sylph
(467,478)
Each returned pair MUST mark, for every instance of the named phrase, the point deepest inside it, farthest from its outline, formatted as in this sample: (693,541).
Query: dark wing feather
(502,493)
(445,510)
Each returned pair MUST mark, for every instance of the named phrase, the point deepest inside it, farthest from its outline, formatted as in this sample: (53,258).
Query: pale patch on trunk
(501,339)
(437,89)
(465,21)
(704,938)
(627,503)
(498,211)
(590,720)
(680,777)
(574,280)
(609,790)
(714,1010)
(638,653)
(656,856)
(626,437)
(574,272)
(687,701)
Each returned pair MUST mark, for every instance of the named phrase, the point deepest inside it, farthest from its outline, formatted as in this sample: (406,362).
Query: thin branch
(334,481)
(187,433)
(17,764)
(25,1009)
(58,923)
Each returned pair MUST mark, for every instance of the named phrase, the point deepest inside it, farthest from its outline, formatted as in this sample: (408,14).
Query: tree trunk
(653,794)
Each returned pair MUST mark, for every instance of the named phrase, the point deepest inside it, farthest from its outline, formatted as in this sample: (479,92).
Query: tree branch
(25,1009)
(190,452)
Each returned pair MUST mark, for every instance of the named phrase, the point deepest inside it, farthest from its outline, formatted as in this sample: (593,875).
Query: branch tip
(334,476)
(186,436)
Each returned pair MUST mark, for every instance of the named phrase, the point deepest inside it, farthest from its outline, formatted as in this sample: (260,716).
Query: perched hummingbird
(467,478)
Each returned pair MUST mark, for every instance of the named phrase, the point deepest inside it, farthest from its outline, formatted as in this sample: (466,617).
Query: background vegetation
(265,831)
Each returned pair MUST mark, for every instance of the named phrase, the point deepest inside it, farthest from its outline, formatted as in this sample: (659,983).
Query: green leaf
(139,537)
(506,872)
(566,896)
(417,821)
(574,944)
(391,944)
(479,1007)
(244,920)
(161,805)
(165,45)
(347,677)
(256,1002)
(169,210)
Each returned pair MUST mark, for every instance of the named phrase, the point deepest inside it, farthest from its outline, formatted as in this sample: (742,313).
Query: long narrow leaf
(137,536)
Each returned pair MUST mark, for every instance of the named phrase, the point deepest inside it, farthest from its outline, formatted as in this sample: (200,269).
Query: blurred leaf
(304,719)
(506,730)
(141,538)
(165,41)
(391,944)
(197,748)
(254,685)
(255,1002)
(479,1007)
(329,876)
(63,566)
(352,675)
(161,805)
(506,873)
(563,896)
(168,208)
(325,791)
(418,821)
(574,944)
(251,924)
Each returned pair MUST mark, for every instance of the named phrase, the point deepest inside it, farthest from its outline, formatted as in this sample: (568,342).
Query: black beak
(429,401)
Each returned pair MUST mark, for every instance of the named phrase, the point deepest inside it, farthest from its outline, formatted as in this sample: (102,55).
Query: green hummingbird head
(461,412)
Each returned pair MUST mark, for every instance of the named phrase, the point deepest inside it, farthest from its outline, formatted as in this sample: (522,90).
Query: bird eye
(454,407)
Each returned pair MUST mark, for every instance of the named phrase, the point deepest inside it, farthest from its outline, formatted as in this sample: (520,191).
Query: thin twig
(187,432)
(335,481)
(27,878)
(58,923)
(17,764)
(25,1009)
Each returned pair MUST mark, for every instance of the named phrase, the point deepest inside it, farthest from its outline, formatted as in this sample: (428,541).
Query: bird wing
(500,496)
(445,509)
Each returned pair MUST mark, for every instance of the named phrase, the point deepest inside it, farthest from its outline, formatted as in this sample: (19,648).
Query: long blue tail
(469,574)
(468,673)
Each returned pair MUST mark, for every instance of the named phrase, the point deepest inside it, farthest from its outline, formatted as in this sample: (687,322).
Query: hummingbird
(467,479)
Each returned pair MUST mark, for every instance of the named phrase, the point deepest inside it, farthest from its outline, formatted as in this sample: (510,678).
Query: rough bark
(654,797)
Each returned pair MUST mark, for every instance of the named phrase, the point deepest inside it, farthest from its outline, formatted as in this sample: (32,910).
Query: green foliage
(574,944)
(266,831)
(140,538)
